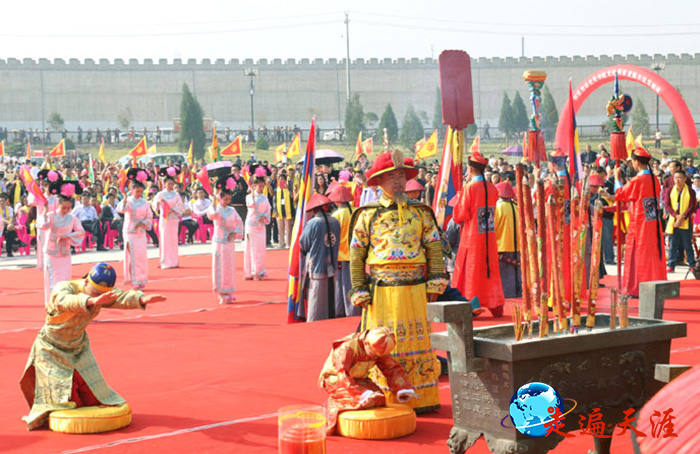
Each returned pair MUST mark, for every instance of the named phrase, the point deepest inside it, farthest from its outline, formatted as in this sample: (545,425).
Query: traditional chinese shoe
(670,269)
(227,299)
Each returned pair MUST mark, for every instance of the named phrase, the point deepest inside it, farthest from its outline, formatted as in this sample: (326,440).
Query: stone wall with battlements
(92,93)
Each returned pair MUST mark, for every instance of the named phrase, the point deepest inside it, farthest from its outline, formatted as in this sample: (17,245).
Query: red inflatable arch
(673,99)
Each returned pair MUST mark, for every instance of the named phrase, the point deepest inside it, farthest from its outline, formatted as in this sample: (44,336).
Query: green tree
(354,118)
(56,121)
(411,128)
(125,118)
(472,130)
(550,115)
(371,119)
(437,113)
(389,122)
(673,131)
(640,118)
(521,122)
(262,143)
(191,124)
(505,119)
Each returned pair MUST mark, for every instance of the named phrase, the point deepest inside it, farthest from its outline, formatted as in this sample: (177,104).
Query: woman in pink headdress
(45,177)
(62,230)
(170,206)
(138,219)
(227,227)
(258,217)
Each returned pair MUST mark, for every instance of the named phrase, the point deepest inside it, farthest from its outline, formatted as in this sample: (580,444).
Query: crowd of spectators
(95,208)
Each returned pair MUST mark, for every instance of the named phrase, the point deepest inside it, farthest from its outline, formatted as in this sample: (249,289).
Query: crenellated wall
(92,93)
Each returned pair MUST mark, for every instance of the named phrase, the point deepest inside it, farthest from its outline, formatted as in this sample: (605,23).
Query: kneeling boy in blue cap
(61,372)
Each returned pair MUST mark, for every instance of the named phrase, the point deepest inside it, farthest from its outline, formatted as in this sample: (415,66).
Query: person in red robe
(477,270)
(346,373)
(645,255)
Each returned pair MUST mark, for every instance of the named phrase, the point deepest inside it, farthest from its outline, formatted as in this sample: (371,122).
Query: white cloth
(186,206)
(62,232)
(255,249)
(84,213)
(228,225)
(258,210)
(370,195)
(169,229)
(138,218)
(42,210)
(7,213)
(255,235)
(200,207)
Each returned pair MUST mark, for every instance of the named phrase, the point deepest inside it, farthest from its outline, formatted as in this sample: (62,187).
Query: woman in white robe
(61,230)
(45,177)
(170,206)
(255,239)
(138,218)
(227,227)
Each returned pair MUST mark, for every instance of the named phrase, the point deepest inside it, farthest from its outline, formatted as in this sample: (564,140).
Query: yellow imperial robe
(508,248)
(399,243)
(61,347)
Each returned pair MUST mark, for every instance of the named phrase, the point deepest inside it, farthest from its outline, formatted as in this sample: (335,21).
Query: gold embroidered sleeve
(64,299)
(359,248)
(127,300)
(436,277)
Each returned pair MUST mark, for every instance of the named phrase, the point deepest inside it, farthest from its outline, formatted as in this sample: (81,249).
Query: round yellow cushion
(382,423)
(90,420)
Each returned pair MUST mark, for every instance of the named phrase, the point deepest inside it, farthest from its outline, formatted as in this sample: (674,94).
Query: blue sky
(315,29)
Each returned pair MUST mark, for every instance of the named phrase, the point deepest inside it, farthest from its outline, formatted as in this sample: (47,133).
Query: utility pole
(658,67)
(251,72)
(522,46)
(347,56)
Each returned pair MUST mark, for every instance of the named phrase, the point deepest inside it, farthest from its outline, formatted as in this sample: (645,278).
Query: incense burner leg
(460,440)
(601,446)
(530,446)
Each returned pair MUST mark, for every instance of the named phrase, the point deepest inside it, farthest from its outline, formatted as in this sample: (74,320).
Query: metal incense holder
(612,370)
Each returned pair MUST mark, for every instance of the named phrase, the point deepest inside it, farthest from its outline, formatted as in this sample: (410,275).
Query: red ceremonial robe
(566,266)
(346,377)
(645,256)
(476,268)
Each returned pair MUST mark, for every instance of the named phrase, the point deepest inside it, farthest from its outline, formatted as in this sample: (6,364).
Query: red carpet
(201,377)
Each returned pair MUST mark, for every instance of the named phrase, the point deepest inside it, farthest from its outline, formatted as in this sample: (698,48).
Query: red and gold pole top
(534,76)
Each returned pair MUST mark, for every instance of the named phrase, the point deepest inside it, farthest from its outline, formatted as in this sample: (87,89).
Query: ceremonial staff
(535,256)
(618,105)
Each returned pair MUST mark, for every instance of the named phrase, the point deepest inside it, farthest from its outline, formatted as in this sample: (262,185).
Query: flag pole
(618,104)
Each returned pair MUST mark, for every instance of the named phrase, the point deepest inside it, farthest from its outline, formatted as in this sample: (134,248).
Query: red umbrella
(682,396)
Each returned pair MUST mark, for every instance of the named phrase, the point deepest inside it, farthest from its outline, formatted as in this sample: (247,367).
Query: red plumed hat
(386,162)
